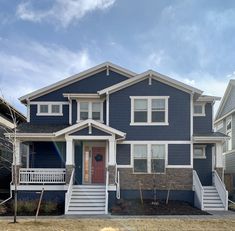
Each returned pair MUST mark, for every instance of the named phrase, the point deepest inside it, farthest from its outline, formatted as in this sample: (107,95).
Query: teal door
(78,162)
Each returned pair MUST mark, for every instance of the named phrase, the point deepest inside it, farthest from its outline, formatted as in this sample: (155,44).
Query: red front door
(98,165)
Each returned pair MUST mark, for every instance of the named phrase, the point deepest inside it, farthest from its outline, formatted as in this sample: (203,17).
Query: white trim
(107,108)
(49,113)
(112,188)
(78,77)
(40,187)
(124,166)
(81,96)
(149,111)
(155,75)
(89,137)
(191,129)
(203,151)
(90,102)
(229,120)
(28,112)
(219,126)
(70,111)
(208,98)
(49,102)
(179,166)
(92,122)
(224,116)
(208,139)
(155,142)
(6,122)
(203,109)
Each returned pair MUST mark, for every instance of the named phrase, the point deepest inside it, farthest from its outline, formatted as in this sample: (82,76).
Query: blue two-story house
(102,134)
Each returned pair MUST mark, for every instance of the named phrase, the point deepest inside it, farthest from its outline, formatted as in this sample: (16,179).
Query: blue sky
(44,41)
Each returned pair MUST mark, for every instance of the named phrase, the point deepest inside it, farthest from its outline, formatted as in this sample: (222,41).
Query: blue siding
(203,124)
(179,154)
(47,155)
(123,154)
(204,167)
(74,112)
(85,132)
(91,84)
(34,119)
(179,112)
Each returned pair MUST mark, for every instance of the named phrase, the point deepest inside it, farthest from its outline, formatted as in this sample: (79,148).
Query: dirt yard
(127,224)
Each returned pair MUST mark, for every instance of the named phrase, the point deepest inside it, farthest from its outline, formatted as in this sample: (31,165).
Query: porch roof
(212,136)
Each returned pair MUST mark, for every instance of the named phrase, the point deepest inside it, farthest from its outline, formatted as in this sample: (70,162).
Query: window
(90,110)
(149,158)
(199,152)
(150,110)
(49,109)
(199,109)
(229,133)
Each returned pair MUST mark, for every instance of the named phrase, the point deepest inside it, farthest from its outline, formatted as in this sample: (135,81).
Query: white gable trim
(78,77)
(155,75)
(224,99)
(90,122)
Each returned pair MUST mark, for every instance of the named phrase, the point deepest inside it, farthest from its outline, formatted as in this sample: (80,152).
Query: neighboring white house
(225,123)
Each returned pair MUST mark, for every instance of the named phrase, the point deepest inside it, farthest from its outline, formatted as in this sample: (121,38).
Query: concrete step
(75,204)
(100,208)
(89,200)
(88,190)
(88,197)
(88,186)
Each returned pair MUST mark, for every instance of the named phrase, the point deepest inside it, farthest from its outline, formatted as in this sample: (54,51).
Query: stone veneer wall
(174,179)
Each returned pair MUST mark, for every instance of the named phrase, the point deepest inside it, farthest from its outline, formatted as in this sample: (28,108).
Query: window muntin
(199,152)
(149,110)
(140,110)
(49,109)
(149,158)
(90,110)
(199,109)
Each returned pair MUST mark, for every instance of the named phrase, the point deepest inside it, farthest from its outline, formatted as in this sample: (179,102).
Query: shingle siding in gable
(91,84)
(179,112)
(179,154)
(123,154)
(229,104)
(203,124)
(34,119)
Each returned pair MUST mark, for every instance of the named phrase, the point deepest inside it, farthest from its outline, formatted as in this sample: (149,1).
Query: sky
(44,41)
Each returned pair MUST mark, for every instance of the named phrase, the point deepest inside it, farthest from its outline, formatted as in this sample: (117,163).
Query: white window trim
(90,109)
(49,113)
(203,109)
(203,149)
(149,158)
(149,111)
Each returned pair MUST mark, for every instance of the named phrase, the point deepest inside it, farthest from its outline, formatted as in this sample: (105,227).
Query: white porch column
(69,152)
(219,155)
(112,151)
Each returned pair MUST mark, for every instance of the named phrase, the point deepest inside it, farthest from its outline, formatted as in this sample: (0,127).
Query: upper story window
(199,109)
(229,133)
(149,110)
(199,151)
(149,158)
(49,109)
(90,110)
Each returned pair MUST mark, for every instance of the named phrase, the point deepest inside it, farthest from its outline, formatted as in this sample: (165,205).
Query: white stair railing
(220,187)
(117,182)
(69,191)
(107,192)
(199,191)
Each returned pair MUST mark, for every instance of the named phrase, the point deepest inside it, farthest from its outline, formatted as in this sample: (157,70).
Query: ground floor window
(199,151)
(149,158)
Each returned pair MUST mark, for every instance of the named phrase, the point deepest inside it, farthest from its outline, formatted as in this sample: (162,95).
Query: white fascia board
(6,123)
(224,116)
(208,99)
(81,96)
(77,77)
(85,123)
(207,139)
(151,74)
(30,135)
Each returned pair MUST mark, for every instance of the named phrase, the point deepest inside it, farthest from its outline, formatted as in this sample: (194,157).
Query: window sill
(149,124)
(49,114)
(199,115)
(147,173)
(201,158)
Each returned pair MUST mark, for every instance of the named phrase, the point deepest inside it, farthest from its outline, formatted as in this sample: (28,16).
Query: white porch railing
(220,187)
(117,182)
(199,191)
(107,192)
(42,176)
(69,191)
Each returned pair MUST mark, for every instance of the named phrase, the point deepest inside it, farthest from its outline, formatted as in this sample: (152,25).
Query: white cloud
(32,66)
(63,11)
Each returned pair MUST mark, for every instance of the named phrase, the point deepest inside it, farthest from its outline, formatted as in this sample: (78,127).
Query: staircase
(211,199)
(86,200)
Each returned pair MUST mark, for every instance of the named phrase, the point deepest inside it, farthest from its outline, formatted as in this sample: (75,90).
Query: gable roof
(151,74)
(231,84)
(90,122)
(74,78)
(208,98)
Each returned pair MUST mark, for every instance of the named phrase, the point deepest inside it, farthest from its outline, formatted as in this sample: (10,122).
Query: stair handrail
(106,192)
(221,189)
(69,191)
(117,182)
(199,191)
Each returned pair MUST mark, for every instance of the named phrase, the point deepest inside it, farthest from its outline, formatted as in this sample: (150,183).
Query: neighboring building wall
(230,162)
(179,112)
(203,124)
(229,104)
(204,167)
